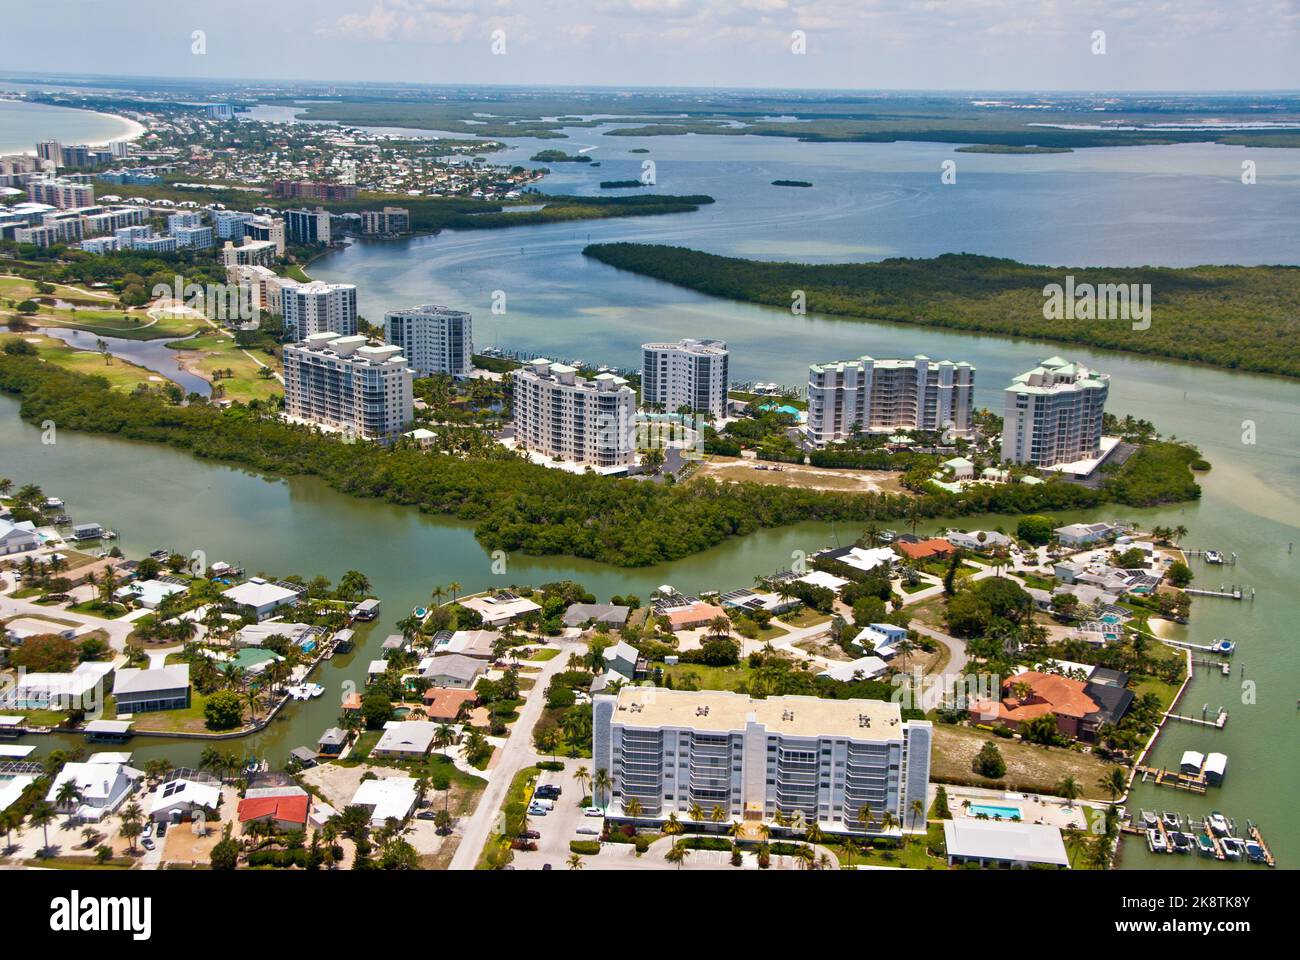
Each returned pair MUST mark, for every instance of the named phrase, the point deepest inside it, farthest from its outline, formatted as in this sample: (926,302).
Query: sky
(847,44)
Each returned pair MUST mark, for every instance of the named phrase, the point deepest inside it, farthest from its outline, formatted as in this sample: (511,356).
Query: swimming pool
(995,812)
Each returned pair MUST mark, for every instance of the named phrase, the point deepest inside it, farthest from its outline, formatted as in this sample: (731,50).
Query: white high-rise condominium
(341,383)
(433,339)
(672,750)
(567,417)
(318,307)
(1053,414)
(688,373)
(879,396)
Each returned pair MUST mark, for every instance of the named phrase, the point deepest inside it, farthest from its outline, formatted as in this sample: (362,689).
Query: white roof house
(149,593)
(863,668)
(183,796)
(820,578)
(453,670)
(1009,842)
(868,558)
(471,643)
(261,597)
(387,797)
(498,610)
(24,628)
(103,787)
(405,738)
(18,537)
(12,789)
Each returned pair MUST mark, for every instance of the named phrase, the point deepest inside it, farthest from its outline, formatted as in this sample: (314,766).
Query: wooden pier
(1195,783)
(1252,831)
(1219,721)
(1227,593)
(1202,647)
(1229,559)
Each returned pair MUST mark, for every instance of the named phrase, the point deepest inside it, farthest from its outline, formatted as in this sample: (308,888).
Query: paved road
(517,753)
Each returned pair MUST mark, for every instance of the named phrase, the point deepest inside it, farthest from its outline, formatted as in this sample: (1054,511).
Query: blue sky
(854,44)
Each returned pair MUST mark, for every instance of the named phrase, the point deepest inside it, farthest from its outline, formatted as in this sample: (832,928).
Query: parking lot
(561,824)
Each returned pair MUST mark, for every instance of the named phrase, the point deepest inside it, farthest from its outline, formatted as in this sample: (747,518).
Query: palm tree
(443,736)
(575,862)
(717,814)
(632,807)
(672,826)
(68,797)
(1070,789)
(438,593)
(41,815)
(602,784)
(864,817)
(917,810)
(10,819)
(889,821)
(677,853)
(583,776)
(1113,781)
(455,588)
(696,812)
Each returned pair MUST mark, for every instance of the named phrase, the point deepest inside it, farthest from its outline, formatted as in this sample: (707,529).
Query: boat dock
(1252,831)
(1195,783)
(1226,592)
(1223,648)
(1223,558)
(1219,721)
(1208,843)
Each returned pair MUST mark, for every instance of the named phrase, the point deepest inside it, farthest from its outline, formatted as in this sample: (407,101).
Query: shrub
(989,763)
(585,847)
(223,710)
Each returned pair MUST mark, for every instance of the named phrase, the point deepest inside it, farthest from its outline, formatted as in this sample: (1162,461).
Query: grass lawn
(189,720)
(705,677)
(805,617)
(121,375)
(214,351)
(1030,768)
(89,315)
(541,656)
(512,808)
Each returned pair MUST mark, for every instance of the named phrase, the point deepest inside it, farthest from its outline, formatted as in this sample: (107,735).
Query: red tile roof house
(443,704)
(1046,693)
(284,812)
(936,547)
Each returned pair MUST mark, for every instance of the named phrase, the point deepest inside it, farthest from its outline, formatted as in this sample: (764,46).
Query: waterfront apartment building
(1053,414)
(825,759)
(342,383)
(266,230)
(434,339)
(567,417)
(881,396)
(307,226)
(249,253)
(386,222)
(688,373)
(265,285)
(318,307)
(63,194)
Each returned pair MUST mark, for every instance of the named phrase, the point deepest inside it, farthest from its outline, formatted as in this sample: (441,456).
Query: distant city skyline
(1006,45)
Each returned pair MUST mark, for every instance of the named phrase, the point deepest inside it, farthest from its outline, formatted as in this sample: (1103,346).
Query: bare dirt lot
(737,470)
(1029,767)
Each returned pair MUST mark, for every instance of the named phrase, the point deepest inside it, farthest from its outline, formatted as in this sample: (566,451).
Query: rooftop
(722,711)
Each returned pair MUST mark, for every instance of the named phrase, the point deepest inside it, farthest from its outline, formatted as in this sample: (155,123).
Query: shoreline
(133,129)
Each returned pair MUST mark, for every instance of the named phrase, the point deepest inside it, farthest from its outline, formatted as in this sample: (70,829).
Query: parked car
(551,791)
(426,815)
(518,844)
(589,830)
(537,811)
(593,812)
(147,832)
(147,843)
(530,835)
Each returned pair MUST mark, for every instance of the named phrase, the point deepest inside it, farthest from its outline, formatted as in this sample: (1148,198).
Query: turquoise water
(993,811)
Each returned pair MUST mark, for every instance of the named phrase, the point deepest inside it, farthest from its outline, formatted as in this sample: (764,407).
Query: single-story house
(884,637)
(87,531)
(1079,535)
(259,598)
(405,739)
(442,705)
(501,608)
(962,469)
(43,691)
(18,537)
(820,578)
(256,634)
(693,616)
(863,668)
(454,670)
(471,643)
(284,808)
(1004,843)
(977,539)
(393,643)
(149,593)
(622,658)
(152,689)
(103,787)
(580,614)
(387,797)
(936,548)
(23,628)
(12,789)
(180,798)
